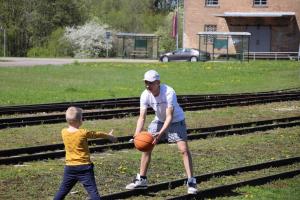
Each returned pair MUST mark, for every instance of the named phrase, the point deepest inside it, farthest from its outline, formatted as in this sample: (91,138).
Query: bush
(56,46)
(89,40)
(166,42)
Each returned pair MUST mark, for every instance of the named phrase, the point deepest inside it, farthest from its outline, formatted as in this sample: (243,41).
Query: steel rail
(225,189)
(240,101)
(200,178)
(109,114)
(53,147)
(121,102)
(127,145)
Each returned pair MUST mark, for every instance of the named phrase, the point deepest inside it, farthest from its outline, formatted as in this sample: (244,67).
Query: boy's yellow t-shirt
(76,145)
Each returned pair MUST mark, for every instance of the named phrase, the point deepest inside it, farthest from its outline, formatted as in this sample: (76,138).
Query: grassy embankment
(114,169)
(28,85)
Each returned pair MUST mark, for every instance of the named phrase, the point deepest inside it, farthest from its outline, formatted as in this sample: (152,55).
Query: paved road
(25,62)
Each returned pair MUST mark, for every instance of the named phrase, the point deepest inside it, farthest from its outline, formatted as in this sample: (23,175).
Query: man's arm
(141,121)
(169,117)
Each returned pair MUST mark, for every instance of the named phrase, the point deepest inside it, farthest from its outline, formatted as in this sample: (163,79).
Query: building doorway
(260,40)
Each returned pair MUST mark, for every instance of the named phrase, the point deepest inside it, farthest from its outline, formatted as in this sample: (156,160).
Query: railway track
(224,189)
(216,191)
(126,102)
(20,155)
(190,104)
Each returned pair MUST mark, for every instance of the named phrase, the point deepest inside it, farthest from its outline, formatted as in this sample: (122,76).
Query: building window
(211,2)
(209,28)
(260,2)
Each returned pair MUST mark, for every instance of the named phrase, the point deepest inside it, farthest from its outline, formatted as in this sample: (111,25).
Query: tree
(128,15)
(30,22)
(89,39)
(166,5)
(55,46)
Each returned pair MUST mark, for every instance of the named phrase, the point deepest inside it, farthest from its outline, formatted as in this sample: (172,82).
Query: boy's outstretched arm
(99,134)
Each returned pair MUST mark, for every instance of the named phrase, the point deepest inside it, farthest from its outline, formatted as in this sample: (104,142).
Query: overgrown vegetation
(114,169)
(34,27)
(29,23)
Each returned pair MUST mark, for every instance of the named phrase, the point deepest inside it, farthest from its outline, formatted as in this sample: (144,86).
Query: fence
(273,55)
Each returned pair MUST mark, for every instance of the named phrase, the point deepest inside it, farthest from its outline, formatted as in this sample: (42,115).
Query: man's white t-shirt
(167,98)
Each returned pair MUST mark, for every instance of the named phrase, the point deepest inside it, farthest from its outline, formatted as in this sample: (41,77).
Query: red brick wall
(283,38)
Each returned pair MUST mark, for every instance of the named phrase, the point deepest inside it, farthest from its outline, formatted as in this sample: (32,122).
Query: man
(169,124)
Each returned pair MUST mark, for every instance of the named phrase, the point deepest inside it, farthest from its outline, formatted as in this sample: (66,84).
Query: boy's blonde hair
(73,114)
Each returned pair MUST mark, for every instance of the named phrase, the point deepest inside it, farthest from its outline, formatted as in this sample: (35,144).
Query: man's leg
(187,158)
(187,161)
(140,181)
(145,161)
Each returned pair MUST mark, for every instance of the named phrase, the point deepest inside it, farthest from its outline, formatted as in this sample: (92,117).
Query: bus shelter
(224,45)
(137,45)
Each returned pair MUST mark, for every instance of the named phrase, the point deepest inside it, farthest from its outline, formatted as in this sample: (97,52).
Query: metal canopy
(256,14)
(133,35)
(223,45)
(224,33)
(138,45)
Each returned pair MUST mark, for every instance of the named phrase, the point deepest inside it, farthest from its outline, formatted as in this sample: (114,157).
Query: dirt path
(25,62)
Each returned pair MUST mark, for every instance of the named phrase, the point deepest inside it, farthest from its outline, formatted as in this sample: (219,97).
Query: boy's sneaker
(138,183)
(192,186)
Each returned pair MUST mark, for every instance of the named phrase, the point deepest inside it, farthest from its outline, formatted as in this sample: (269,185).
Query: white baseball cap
(151,76)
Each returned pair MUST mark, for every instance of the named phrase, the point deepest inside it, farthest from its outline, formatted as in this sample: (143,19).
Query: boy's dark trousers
(82,173)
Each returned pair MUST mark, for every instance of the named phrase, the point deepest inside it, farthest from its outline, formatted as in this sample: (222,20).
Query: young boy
(78,164)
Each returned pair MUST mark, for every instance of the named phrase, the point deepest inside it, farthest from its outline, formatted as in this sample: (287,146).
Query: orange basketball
(143,141)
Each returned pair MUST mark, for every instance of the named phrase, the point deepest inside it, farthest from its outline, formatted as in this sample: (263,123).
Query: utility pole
(183,26)
(107,37)
(4,40)
(4,45)
(177,26)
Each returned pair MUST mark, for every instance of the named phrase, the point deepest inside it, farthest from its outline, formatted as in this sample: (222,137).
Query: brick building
(273,24)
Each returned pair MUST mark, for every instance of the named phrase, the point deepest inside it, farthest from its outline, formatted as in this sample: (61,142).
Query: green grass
(114,169)
(219,181)
(277,190)
(41,84)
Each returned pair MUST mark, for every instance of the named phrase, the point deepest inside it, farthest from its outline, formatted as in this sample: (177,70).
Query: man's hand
(157,137)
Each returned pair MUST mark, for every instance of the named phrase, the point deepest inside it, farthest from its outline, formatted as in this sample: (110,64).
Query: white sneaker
(138,183)
(192,186)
